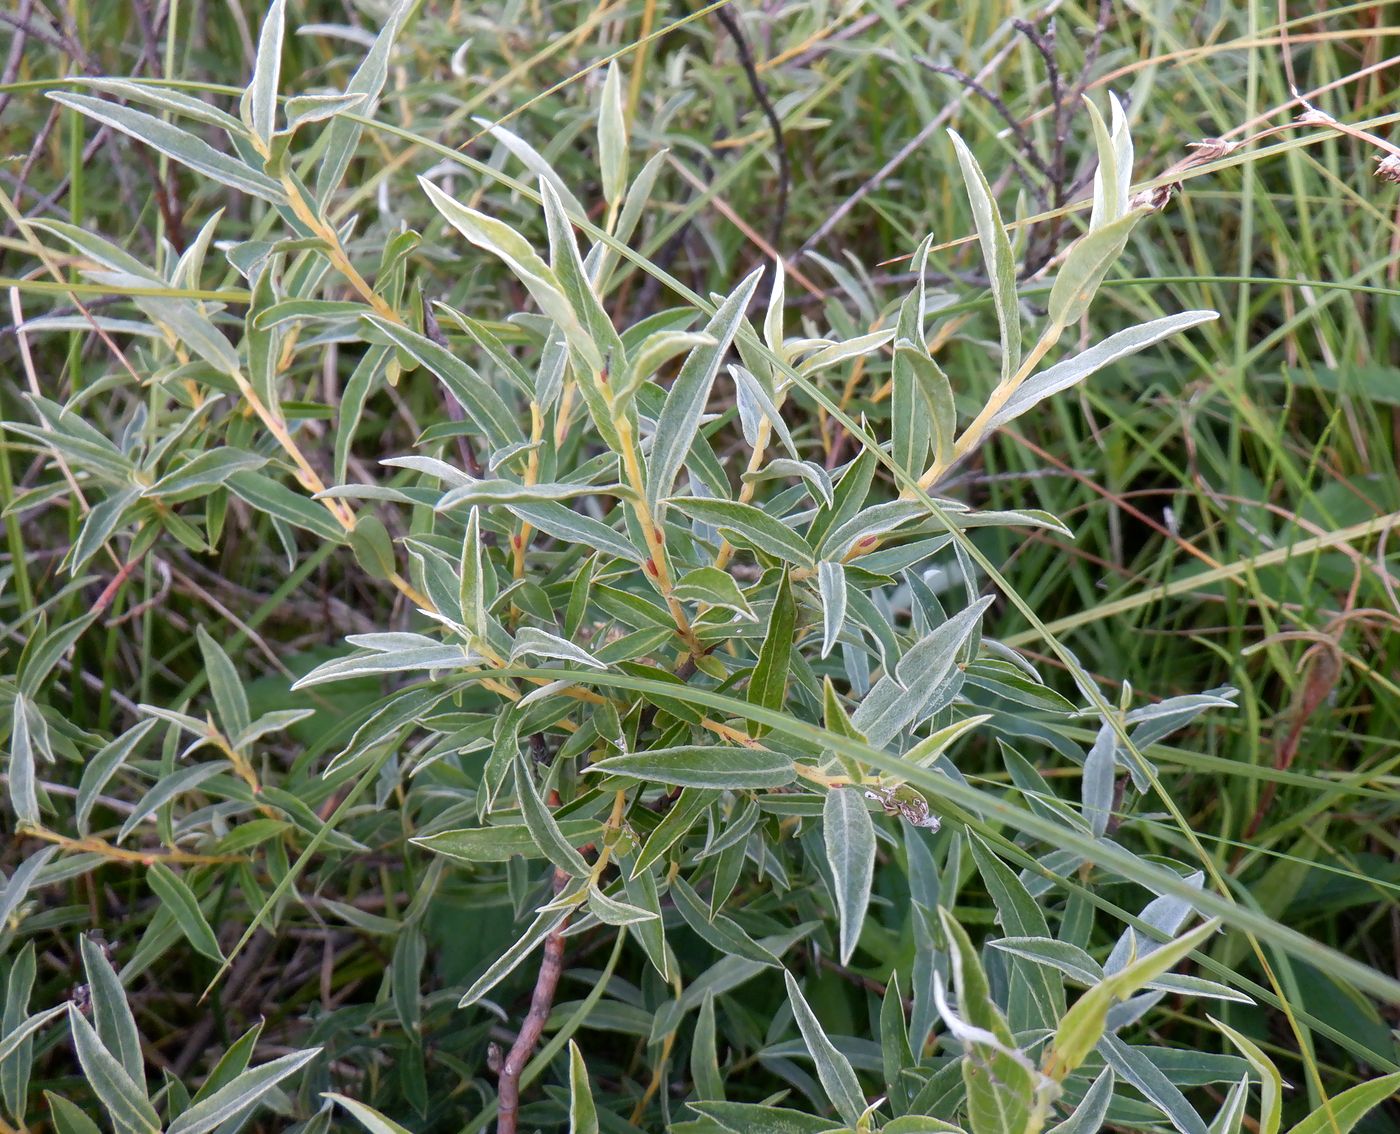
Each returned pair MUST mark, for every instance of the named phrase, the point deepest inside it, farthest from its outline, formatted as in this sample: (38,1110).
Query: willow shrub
(675,696)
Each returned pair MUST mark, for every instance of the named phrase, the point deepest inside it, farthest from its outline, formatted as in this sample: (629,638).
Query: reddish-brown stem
(541,1001)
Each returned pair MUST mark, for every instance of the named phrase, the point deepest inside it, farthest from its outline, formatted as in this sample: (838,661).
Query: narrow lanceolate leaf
(175,143)
(200,476)
(1001,1083)
(1270,1081)
(768,684)
(753,526)
(12,1040)
(124,1101)
(838,1077)
(367,1116)
(896,700)
(24,795)
(705,766)
(229,698)
(260,100)
(514,250)
(996,252)
(1085,266)
(713,587)
(501,844)
(1088,1116)
(910,422)
(367,82)
(1083,1025)
(583,1113)
(111,1014)
(473,393)
(179,899)
(241,1095)
(545,923)
(831,584)
(849,836)
(543,829)
(612,138)
(1067,373)
(472,592)
(685,401)
(724,933)
(531,642)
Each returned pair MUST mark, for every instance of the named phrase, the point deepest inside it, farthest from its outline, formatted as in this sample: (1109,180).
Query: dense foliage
(496,638)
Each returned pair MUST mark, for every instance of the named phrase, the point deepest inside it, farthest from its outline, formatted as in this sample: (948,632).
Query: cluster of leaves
(663,687)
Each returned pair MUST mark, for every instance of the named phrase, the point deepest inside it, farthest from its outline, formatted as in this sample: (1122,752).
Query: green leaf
(831,584)
(514,250)
(500,844)
(1071,371)
(713,587)
(68,1118)
(1020,916)
(583,1114)
(303,110)
(996,253)
(543,829)
(1270,1081)
(1000,1081)
(179,899)
(546,922)
(724,933)
(229,698)
(1088,1116)
(116,1027)
(485,493)
(277,500)
(202,474)
(753,1118)
(24,795)
(167,99)
(175,143)
(768,683)
(1113,178)
(1085,266)
(259,103)
(374,550)
(838,1077)
(704,1053)
(679,421)
(497,422)
(612,138)
(119,1095)
(240,1096)
(704,766)
(15,1069)
(367,1116)
(753,526)
(1341,1114)
(896,699)
(1083,1025)
(849,836)
(367,81)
